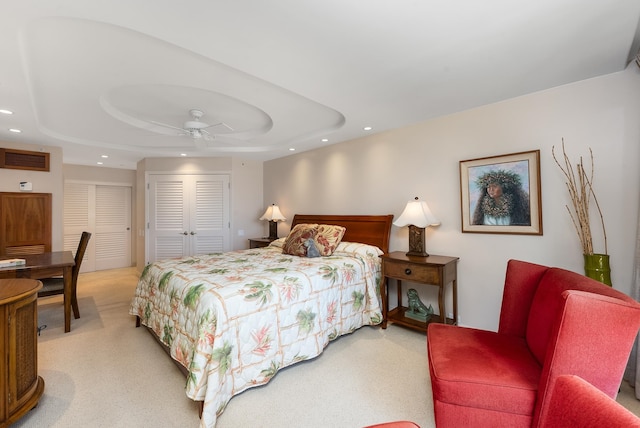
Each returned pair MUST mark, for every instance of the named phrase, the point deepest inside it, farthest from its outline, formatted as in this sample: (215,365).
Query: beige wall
(380,173)
(247,202)
(43,182)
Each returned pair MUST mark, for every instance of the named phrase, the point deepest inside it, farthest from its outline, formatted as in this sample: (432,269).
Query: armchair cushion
(492,371)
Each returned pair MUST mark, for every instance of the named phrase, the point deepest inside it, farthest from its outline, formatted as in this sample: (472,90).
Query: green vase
(596,266)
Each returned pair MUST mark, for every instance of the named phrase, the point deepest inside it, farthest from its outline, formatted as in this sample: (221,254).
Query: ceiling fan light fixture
(195,124)
(195,128)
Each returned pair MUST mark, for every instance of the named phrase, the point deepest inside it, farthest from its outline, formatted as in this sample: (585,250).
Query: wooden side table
(259,242)
(432,270)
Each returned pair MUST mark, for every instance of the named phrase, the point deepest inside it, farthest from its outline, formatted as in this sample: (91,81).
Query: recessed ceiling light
(324,140)
(367,128)
(104,156)
(292,149)
(183,154)
(3,111)
(99,163)
(17,131)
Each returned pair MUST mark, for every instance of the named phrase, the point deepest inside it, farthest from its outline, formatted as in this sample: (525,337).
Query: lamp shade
(273,214)
(416,213)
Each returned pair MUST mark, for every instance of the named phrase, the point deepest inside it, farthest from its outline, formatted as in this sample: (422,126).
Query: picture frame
(502,194)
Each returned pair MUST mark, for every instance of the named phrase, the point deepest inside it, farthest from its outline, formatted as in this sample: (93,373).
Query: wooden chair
(52,286)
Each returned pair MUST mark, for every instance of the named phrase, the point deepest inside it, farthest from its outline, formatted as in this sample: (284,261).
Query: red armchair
(576,403)
(552,322)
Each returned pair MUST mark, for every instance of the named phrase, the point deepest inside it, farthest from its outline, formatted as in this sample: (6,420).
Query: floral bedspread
(234,319)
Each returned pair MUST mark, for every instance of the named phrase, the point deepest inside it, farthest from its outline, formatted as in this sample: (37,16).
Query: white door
(79,216)
(209,219)
(168,217)
(188,215)
(112,237)
(105,212)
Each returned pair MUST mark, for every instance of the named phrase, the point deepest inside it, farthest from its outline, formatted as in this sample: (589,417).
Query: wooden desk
(46,265)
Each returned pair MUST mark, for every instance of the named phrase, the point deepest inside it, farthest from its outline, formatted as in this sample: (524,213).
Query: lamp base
(416,254)
(416,242)
(273,230)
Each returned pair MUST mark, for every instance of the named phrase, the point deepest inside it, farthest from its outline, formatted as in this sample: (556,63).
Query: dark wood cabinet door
(25,223)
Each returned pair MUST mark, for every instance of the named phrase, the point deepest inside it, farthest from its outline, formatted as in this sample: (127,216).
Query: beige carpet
(107,373)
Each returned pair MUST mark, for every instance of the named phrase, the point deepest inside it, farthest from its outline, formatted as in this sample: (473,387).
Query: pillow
(328,237)
(296,242)
(278,243)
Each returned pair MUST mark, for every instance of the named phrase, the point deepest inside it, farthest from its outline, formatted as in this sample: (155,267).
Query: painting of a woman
(502,200)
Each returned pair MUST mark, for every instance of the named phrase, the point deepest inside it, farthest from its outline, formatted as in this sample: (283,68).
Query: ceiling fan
(195,128)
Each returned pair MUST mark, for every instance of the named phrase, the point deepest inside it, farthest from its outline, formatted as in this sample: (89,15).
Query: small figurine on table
(416,309)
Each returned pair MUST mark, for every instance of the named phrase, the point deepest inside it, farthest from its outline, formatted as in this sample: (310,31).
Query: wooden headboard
(366,229)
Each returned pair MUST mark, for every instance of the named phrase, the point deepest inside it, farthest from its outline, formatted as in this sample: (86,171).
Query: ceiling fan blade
(167,126)
(223,124)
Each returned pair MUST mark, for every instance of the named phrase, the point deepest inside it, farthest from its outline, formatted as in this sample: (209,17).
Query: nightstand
(433,270)
(259,242)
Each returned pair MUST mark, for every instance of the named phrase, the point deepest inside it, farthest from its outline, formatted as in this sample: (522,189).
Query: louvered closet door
(168,221)
(79,215)
(188,215)
(112,237)
(209,219)
(105,212)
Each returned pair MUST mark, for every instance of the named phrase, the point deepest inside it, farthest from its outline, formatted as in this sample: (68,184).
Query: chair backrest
(520,285)
(82,248)
(586,333)
(548,299)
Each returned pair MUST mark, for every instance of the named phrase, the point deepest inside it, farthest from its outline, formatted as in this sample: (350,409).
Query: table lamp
(417,216)
(274,215)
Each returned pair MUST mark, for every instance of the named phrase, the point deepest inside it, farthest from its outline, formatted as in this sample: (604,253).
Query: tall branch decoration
(579,181)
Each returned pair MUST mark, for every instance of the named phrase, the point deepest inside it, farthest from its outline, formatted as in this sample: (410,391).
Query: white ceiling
(93,76)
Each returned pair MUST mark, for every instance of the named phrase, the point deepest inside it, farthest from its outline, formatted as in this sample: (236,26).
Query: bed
(232,320)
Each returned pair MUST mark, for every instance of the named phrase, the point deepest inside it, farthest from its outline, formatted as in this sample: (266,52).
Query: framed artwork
(501,194)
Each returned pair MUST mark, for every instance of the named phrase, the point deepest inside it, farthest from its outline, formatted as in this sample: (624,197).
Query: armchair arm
(605,326)
(574,402)
(520,285)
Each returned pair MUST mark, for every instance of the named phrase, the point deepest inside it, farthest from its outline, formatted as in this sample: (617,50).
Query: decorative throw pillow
(312,248)
(295,243)
(328,237)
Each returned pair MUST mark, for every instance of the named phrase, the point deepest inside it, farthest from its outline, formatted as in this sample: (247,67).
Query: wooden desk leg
(66,274)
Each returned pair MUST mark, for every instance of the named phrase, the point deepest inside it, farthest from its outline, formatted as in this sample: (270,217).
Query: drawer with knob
(411,272)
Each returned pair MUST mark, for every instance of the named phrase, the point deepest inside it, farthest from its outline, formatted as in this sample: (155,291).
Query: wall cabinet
(19,381)
(25,223)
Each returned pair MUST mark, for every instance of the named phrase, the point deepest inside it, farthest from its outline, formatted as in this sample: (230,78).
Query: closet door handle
(183,233)
(193,233)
